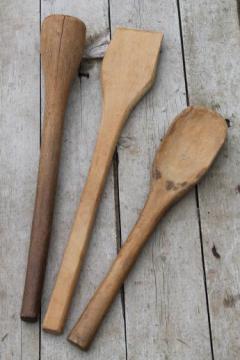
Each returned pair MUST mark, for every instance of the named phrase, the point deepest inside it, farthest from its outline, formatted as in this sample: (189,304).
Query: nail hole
(229,123)
(86,75)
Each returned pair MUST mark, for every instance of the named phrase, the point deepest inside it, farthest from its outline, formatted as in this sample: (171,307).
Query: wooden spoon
(187,151)
(128,71)
(62,42)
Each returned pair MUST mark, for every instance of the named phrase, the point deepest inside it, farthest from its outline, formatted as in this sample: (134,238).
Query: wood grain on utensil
(62,41)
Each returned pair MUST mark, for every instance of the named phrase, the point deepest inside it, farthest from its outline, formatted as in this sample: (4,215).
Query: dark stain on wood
(183,342)
(183,184)
(215,252)
(170,185)
(4,337)
(156,174)
(238,189)
(230,300)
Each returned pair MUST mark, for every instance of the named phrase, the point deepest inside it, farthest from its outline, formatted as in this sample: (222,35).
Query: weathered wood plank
(81,126)
(19,138)
(165,303)
(211,36)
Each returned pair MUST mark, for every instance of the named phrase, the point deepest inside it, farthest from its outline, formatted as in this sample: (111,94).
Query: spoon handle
(62,41)
(186,153)
(78,241)
(83,332)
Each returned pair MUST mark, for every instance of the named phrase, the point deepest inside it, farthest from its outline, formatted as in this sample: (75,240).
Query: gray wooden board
(211,36)
(165,305)
(19,138)
(165,302)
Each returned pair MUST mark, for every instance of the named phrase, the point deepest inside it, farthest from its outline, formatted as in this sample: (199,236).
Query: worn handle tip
(28,318)
(29,311)
(52,323)
(56,330)
(78,341)
(52,331)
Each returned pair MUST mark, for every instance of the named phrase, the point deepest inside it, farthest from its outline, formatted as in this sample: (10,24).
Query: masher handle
(62,41)
(42,217)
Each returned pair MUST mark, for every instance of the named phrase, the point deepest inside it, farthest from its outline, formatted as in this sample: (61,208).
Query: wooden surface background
(182,300)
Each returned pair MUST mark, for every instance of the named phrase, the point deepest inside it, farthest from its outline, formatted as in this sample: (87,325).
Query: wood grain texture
(93,13)
(189,148)
(19,138)
(127,73)
(211,36)
(62,42)
(164,294)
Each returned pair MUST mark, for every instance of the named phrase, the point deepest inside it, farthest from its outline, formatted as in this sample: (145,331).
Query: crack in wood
(204,270)
(196,187)
(119,236)
(60,46)
(183,52)
(238,11)
(117,208)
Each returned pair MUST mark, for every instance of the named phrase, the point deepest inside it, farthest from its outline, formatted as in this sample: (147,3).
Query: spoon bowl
(189,147)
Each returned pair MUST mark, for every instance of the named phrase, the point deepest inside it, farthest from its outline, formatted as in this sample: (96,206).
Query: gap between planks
(117,207)
(196,187)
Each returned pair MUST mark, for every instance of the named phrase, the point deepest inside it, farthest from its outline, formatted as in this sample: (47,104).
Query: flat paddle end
(52,331)
(52,327)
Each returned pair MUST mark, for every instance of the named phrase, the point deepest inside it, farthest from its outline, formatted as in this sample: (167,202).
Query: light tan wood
(62,41)
(188,150)
(128,72)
